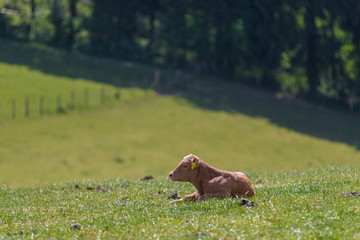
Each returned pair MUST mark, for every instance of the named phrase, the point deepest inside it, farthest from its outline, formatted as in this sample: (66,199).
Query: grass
(145,133)
(35,85)
(150,138)
(35,72)
(275,141)
(292,205)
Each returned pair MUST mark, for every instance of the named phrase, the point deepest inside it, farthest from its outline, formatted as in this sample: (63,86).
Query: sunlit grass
(142,132)
(292,205)
(50,81)
(151,137)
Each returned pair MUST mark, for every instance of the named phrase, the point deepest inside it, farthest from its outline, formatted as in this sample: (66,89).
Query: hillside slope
(227,125)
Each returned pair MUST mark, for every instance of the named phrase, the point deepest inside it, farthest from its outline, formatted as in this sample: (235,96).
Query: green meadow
(291,205)
(300,157)
(63,81)
(143,132)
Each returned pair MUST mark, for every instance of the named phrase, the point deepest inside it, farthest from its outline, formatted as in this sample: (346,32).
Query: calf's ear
(194,162)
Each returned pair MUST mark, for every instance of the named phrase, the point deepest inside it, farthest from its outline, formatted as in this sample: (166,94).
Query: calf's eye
(185,166)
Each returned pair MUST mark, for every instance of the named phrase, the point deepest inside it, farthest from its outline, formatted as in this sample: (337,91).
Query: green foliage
(293,83)
(271,26)
(238,40)
(113,28)
(292,205)
(42,30)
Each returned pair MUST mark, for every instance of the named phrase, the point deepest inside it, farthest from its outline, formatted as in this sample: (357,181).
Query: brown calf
(209,181)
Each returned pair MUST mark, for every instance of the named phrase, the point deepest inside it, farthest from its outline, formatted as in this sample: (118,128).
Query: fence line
(41,105)
(27,110)
(60,103)
(13,109)
(73,99)
(102,96)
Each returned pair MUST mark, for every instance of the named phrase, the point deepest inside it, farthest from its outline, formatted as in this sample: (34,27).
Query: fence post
(157,74)
(27,110)
(73,99)
(133,86)
(102,95)
(117,94)
(351,103)
(41,106)
(13,108)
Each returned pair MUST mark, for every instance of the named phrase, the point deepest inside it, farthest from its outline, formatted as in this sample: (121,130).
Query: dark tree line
(309,48)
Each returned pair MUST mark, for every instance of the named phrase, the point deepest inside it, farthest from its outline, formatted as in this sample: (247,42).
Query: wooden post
(73,99)
(118,87)
(351,103)
(27,110)
(157,74)
(117,94)
(102,95)
(41,106)
(13,108)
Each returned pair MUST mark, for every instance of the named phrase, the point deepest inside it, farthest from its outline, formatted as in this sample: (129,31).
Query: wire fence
(77,99)
(26,107)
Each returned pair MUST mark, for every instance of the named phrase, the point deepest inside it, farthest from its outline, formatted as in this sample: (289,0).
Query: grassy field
(145,133)
(51,165)
(34,72)
(149,138)
(292,205)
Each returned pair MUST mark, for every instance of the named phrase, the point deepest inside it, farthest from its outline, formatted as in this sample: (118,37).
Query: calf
(209,181)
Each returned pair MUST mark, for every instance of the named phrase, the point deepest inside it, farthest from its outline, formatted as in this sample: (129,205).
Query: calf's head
(186,169)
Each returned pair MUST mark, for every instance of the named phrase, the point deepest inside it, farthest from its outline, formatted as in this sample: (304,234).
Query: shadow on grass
(59,63)
(292,114)
(212,95)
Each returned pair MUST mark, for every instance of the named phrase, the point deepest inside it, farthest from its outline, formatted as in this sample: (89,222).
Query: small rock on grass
(174,195)
(75,226)
(245,202)
(146,178)
(100,189)
(352,194)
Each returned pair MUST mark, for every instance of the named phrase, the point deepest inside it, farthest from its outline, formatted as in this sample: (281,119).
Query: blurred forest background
(303,48)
